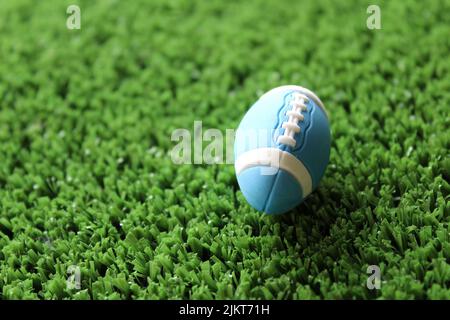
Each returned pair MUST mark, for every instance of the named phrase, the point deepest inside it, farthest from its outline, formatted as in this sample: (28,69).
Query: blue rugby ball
(282,149)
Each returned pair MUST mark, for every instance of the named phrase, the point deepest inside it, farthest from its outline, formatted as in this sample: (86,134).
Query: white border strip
(305,91)
(279,159)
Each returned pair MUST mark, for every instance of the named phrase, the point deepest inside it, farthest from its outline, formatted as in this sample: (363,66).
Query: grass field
(87,182)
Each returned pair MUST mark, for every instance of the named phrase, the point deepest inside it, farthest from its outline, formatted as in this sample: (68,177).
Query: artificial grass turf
(86,178)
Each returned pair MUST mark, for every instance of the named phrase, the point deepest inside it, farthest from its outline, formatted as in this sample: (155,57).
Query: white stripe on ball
(279,159)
